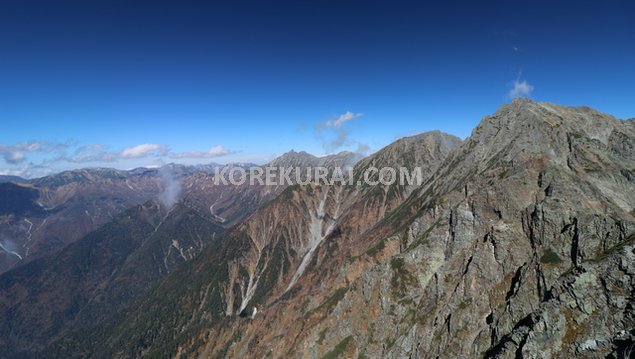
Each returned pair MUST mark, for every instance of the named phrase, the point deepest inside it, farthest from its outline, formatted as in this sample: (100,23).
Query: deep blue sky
(260,78)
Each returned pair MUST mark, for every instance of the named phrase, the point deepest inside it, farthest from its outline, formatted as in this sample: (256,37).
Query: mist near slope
(172,187)
(10,247)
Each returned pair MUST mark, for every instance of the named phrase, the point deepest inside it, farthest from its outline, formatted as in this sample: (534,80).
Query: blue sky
(133,83)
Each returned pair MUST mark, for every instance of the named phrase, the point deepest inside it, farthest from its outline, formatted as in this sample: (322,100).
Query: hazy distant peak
(305,159)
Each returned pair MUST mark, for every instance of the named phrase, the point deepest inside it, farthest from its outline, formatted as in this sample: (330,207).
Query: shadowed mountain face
(19,200)
(518,243)
(41,216)
(99,274)
(64,207)
(15,179)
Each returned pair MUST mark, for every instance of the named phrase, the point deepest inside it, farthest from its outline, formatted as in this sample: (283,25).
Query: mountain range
(519,242)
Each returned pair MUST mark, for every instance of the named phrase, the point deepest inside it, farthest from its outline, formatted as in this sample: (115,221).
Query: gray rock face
(521,245)
(525,247)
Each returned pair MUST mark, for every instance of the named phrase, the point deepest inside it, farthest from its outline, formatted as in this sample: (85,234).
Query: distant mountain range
(4,179)
(520,242)
(40,216)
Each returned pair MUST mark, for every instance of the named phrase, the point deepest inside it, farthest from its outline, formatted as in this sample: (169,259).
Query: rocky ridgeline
(519,243)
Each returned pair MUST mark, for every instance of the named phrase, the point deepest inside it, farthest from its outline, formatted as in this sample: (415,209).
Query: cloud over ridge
(333,134)
(520,89)
(144,150)
(214,151)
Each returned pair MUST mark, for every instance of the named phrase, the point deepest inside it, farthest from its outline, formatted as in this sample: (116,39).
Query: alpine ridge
(520,242)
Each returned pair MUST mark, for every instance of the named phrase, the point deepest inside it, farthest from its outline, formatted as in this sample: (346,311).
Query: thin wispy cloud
(213,152)
(18,153)
(520,89)
(363,149)
(342,119)
(14,157)
(39,158)
(92,153)
(145,150)
(334,134)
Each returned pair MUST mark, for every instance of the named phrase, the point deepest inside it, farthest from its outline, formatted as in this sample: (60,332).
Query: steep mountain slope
(530,202)
(520,242)
(19,200)
(14,179)
(267,256)
(230,203)
(538,198)
(98,276)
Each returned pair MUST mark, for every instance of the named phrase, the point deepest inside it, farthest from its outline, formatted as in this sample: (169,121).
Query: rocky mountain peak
(293,158)
(521,112)
(305,159)
(525,129)
(425,149)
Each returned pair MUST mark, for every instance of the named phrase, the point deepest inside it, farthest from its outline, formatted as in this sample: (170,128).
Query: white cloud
(215,151)
(520,89)
(218,150)
(14,172)
(92,153)
(342,119)
(144,150)
(30,170)
(17,153)
(333,134)
(363,149)
(14,157)
(39,158)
